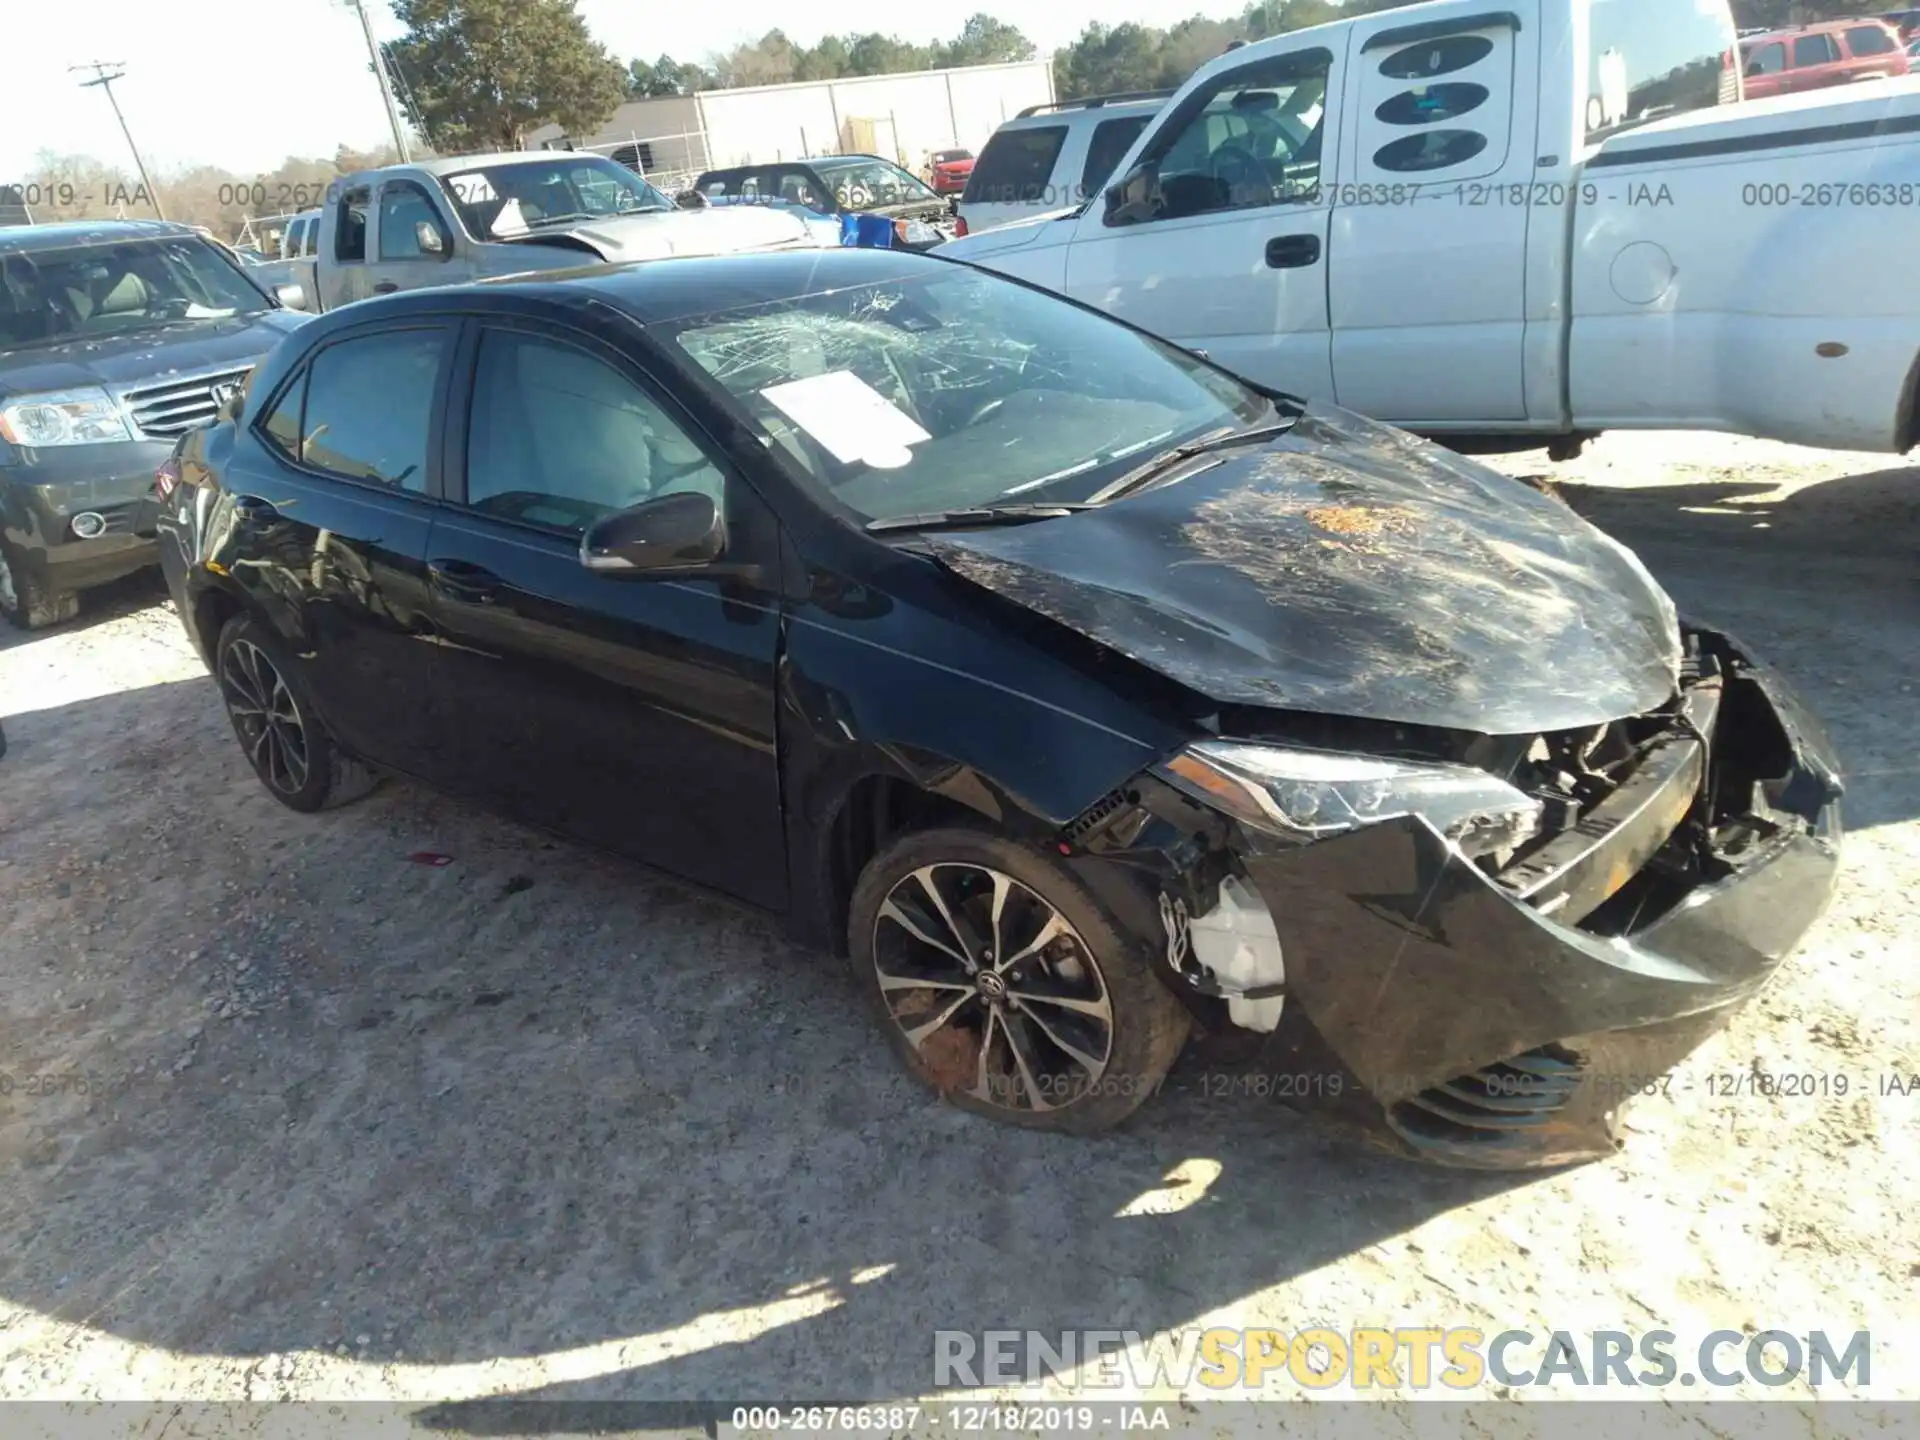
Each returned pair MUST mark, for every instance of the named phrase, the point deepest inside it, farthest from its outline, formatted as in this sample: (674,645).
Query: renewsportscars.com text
(1407,1357)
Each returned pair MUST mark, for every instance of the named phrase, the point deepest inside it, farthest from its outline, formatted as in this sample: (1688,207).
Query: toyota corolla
(1082,695)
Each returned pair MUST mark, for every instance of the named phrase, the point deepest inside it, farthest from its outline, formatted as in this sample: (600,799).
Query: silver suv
(1053,157)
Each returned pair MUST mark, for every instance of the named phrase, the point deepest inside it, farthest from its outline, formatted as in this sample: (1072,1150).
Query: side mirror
(427,236)
(291,295)
(667,536)
(1754,69)
(692,200)
(1136,196)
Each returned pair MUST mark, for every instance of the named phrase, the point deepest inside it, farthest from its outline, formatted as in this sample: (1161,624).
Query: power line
(407,92)
(380,73)
(105,82)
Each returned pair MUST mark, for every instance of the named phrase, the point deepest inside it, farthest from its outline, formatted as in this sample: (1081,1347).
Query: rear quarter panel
(1755,291)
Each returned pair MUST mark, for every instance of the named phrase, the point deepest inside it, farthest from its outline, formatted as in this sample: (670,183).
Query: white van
(1053,157)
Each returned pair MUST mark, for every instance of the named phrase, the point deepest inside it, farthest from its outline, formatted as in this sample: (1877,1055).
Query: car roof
(1083,114)
(663,291)
(454,164)
(807,164)
(1852,22)
(60,234)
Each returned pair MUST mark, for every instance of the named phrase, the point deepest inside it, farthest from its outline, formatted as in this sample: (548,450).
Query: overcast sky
(210,81)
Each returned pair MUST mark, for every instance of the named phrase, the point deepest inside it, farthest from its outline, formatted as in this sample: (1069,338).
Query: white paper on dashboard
(853,420)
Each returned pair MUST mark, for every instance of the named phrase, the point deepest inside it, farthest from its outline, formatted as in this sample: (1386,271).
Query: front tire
(1004,985)
(29,603)
(277,724)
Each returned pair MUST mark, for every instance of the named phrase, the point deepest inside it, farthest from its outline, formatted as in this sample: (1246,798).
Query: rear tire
(278,725)
(30,603)
(1053,1019)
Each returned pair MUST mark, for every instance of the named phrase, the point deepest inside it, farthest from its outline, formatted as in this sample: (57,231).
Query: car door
(634,713)
(342,273)
(403,216)
(1427,290)
(1225,248)
(1766,70)
(326,524)
(1816,62)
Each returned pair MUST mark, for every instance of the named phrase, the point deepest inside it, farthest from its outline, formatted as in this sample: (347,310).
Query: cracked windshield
(954,390)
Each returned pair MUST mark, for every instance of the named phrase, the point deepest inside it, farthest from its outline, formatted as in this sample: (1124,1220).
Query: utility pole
(386,89)
(105,82)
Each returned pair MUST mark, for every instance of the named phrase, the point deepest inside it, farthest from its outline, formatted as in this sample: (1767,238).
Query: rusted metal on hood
(1348,568)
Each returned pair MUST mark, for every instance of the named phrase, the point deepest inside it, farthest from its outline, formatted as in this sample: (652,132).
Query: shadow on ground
(122,597)
(539,1100)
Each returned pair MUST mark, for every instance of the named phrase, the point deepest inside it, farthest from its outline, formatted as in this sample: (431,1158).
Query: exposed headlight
(63,417)
(1310,794)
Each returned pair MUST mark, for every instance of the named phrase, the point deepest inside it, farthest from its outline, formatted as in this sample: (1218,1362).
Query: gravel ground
(286,1115)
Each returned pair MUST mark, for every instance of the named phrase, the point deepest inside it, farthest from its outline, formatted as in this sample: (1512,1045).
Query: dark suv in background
(115,338)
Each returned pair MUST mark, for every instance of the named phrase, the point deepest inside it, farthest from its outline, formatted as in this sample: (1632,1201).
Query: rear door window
(369,407)
(1109,145)
(1814,50)
(1016,168)
(1653,58)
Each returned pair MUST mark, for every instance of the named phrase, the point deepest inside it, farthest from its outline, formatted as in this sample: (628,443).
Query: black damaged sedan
(1084,696)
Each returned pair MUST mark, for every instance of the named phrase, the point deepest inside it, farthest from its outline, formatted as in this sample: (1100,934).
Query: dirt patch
(289,1114)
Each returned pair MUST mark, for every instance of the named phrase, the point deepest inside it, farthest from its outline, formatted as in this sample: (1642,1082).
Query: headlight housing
(63,417)
(1311,794)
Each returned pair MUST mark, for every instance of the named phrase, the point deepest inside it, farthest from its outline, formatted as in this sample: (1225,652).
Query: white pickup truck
(462,218)
(1518,221)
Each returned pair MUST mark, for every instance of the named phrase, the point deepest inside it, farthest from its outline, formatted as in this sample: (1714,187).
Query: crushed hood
(1351,569)
(720,230)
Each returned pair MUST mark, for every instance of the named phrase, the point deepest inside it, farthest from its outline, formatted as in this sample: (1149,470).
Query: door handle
(458,580)
(254,510)
(385,287)
(1288,252)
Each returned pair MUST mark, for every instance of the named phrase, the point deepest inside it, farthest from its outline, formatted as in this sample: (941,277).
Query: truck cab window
(350,234)
(1769,59)
(1249,139)
(1653,58)
(403,208)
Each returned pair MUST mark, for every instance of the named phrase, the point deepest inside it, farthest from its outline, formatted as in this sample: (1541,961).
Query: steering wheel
(1235,166)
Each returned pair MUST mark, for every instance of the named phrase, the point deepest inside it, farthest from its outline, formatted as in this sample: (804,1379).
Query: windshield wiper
(976,515)
(1170,460)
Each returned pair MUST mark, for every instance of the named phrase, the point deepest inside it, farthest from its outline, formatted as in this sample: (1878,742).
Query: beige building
(903,117)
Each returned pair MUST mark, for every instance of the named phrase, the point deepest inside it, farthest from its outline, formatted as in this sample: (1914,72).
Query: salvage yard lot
(286,1113)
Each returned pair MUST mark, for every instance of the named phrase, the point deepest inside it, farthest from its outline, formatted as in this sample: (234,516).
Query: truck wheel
(1003,984)
(28,602)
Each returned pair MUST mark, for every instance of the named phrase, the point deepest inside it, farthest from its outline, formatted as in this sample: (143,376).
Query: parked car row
(842,186)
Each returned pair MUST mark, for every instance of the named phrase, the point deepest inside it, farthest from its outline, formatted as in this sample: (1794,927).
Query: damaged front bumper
(1504,1018)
